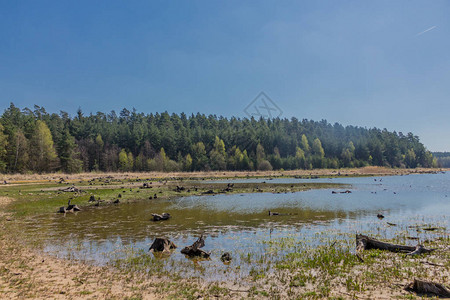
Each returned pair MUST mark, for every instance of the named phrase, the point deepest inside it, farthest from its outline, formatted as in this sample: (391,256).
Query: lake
(240,223)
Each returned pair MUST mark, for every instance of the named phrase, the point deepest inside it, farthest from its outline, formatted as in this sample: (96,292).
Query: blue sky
(382,64)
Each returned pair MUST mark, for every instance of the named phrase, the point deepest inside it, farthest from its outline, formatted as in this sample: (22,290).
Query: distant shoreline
(365,171)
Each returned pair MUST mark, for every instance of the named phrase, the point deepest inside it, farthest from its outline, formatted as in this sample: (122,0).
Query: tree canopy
(34,140)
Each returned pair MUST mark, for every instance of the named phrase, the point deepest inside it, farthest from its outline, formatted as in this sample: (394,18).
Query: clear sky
(382,64)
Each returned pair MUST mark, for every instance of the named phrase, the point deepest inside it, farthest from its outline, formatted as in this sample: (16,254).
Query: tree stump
(194,250)
(162,245)
(428,287)
(226,257)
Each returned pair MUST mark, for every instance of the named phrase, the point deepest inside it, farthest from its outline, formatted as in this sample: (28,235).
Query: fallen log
(194,250)
(363,242)
(428,287)
(162,245)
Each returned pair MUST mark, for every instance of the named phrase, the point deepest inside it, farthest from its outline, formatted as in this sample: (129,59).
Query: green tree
(317,148)
(3,144)
(43,157)
(99,144)
(199,158)
(410,159)
(300,158)
(217,155)
(19,152)
(123,160)
(130,161)
(187,163)
(67,150)
(304,144)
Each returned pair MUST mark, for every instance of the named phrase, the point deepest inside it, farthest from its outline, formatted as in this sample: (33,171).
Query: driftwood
(363,242)
(162,245)
(194,250)
(162,217)
(428,287)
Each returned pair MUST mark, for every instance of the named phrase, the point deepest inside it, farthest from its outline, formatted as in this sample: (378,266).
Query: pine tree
(68,153)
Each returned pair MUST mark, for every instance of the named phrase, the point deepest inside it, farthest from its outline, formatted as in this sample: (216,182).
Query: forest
(38,141)
(443,159)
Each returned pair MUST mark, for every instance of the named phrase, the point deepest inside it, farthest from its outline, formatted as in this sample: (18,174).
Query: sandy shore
(26,274)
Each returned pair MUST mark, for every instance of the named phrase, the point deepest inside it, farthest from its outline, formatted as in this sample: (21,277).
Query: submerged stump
(162,245)
(194,250)
(162,217)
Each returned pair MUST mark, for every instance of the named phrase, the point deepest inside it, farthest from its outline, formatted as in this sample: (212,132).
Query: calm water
(240,223)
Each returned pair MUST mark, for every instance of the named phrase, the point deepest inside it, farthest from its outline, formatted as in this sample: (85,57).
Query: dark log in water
(428,287)
(162,245)
(363,242)
(162,217)
(194,250)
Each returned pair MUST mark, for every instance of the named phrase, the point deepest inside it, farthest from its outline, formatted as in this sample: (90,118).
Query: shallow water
(241,225)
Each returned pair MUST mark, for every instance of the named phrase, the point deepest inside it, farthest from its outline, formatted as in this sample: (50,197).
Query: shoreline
(365,171)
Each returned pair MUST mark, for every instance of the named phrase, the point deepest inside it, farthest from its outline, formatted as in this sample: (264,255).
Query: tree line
(443,159)
(37,141)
